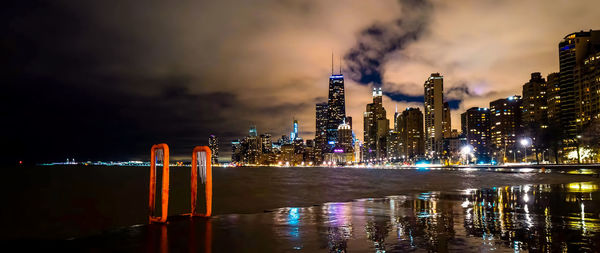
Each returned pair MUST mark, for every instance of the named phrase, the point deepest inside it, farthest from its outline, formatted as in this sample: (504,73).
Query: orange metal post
(165,184)
(194,182)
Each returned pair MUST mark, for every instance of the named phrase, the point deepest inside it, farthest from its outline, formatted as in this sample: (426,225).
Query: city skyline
(102,109)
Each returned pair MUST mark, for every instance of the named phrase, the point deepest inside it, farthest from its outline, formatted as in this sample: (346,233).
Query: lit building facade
(213,144)
(410,127)
(321,146)
(553,99)
(475,124)
(336,107)
(434,113)
(573,50)
(446,121)
(535,104)
(588,87)
(294,133)
(345,138)
(266,143)
(376,128)
(505,125)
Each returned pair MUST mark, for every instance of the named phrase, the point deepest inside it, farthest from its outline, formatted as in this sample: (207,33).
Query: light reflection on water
(545,218)
(529,217)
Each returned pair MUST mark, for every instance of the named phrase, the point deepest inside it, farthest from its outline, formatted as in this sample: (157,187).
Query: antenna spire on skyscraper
(340,64)
(331,62)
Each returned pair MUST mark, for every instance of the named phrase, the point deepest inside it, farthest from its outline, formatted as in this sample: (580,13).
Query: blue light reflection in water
(293,216)
(294,221)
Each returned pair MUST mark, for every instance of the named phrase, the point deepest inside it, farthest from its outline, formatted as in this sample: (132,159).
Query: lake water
(311,209)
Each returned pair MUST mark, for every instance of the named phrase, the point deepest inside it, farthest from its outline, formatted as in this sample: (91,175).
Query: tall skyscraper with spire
(336,105)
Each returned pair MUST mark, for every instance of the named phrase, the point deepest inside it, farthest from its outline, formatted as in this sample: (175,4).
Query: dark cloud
(458,92)
(401,97)
(365,60)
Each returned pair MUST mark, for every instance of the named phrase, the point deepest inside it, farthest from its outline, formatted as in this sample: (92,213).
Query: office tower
(446,121)
(266,143)
(588,98)
(213,144)
(553,99)
(505,124)
(344,141)
(253,132)
(394,146)
(294,133)
(434,107)
(535,104)
(320,131)
(475,124)
(410,128)
(573,50)
(376,127)
(254,149)
(336,107)
(236,152)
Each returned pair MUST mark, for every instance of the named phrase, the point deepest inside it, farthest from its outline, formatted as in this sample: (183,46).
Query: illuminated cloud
(106,80)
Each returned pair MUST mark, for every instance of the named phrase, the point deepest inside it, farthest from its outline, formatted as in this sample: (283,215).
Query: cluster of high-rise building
(545,123)
(334,142)
(555,116)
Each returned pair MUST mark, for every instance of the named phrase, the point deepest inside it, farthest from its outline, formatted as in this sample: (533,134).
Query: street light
(466,151)
(525,143)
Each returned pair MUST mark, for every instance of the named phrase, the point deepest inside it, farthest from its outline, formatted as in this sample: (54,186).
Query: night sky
(104,80)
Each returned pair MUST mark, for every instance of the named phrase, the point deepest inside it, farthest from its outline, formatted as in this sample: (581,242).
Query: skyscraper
(294,133)
(344,141)
(254,149)
(321,119)
(376,128)
(572,51)
(266,143)
(336,107)
(410,127)
(446,121)
(237,155)
(505,124)
(475,124)
(434,113)
(535,104)
(252,132)
(213,144)
(588,99)
(320,132)
(553,99)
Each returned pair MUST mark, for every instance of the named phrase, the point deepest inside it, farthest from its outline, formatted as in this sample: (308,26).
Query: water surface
(58,202)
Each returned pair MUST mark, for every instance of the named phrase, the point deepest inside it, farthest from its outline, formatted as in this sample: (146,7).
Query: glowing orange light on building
(206,169)
(165,183)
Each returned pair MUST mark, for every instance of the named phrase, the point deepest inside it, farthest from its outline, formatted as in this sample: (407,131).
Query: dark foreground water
(548,218)
(423,210)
